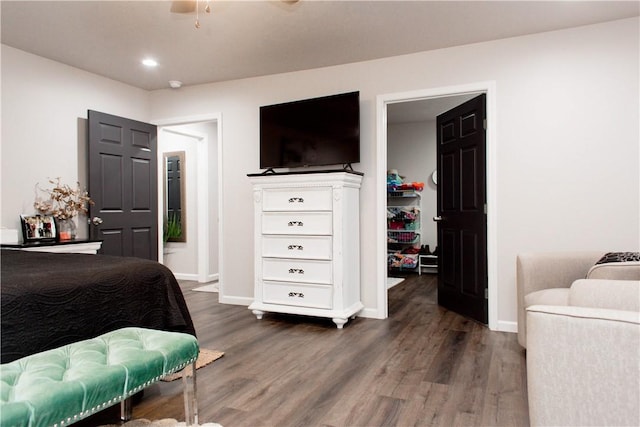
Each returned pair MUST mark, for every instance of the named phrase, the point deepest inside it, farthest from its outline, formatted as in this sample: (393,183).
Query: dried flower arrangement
(64,202)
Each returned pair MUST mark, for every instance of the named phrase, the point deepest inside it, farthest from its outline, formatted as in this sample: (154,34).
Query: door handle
(437,218)
(96,220)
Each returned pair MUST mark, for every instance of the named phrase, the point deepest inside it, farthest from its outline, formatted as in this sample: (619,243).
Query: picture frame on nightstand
(38,228)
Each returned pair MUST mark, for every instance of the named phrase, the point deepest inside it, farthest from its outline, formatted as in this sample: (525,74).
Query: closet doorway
(407,143)
(198,139)
(412,185)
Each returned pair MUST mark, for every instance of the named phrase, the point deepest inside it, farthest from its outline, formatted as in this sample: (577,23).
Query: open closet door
(462,219)
(123,185)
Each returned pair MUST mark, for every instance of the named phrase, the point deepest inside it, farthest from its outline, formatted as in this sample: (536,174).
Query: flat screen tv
(312,132)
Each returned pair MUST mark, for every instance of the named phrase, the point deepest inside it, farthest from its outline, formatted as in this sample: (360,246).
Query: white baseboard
(507,326)
(186,276)
(370,313)
(194,277)
(235,300)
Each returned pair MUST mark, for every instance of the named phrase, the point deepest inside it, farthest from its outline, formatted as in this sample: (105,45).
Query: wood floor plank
(447,359)
(504,403)
(426,407)
(423,366)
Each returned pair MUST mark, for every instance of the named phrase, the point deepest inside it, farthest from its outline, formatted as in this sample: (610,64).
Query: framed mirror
(175,208)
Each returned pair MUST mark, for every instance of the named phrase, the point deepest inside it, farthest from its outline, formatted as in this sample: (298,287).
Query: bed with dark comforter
(52,299)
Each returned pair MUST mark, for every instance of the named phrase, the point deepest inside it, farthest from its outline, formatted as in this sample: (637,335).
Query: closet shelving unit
(428,261)
(403,229)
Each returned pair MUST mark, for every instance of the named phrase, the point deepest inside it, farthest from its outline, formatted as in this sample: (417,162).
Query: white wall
(44,132)
(567,163)
(411,149)
(567,141)
(44,125)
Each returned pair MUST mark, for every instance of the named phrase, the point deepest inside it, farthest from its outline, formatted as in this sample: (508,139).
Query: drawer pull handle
(296,200)
(296,223)
(296,294)
(298,247)
(296,270)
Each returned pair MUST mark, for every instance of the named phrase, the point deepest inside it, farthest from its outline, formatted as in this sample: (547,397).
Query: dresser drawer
(297,270)
(315,296)
(316,223)
(297,199)
(309,247)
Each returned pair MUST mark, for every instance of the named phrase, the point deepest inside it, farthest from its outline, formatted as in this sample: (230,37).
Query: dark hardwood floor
(423,366)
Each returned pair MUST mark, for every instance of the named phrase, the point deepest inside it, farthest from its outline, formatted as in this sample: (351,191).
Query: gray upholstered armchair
(545,278)
(583,358)
(580,322)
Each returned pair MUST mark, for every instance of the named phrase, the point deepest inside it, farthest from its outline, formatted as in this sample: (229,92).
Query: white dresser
(307,244)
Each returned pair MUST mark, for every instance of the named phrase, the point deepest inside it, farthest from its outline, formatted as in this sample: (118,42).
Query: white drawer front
(297,199)
(296,270)
(316,296)
(309,247)
(318,223)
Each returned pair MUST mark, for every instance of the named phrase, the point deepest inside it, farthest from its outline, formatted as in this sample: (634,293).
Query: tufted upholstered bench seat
(64,385)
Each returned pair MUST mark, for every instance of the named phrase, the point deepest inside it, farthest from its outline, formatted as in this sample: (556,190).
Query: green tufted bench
(64,385)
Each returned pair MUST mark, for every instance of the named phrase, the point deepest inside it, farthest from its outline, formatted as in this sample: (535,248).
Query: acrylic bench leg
(126,409)
(190,397)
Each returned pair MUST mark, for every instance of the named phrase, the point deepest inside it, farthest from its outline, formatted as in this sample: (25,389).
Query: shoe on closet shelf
(412,251)
(424,250)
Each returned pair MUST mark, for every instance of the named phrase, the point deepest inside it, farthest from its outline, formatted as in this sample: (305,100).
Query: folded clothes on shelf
(400,260)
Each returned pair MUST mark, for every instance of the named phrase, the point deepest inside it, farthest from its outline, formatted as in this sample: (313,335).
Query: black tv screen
(312,132)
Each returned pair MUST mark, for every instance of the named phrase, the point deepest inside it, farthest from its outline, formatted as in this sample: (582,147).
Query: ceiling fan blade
(183,6)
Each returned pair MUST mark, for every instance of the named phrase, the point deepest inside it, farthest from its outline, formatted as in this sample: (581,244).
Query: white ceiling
(251,38)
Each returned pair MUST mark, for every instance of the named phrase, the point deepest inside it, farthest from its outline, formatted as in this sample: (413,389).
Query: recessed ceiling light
(150,62)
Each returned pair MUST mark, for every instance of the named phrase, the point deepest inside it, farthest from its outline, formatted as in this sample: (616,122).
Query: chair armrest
(537,271)
(582,366)
(613,294)
(627,270)
(545,270)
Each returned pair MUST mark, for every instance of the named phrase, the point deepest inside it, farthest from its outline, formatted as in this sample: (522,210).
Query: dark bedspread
(53,299)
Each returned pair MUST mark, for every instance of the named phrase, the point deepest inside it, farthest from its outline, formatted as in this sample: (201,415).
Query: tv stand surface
(271,171)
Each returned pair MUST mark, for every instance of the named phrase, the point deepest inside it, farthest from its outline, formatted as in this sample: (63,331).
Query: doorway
(411,152)
(424,106)
(200,140)
(185,254)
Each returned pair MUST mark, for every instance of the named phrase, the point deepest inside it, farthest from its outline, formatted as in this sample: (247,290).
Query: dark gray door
(462,220)
(123,185)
